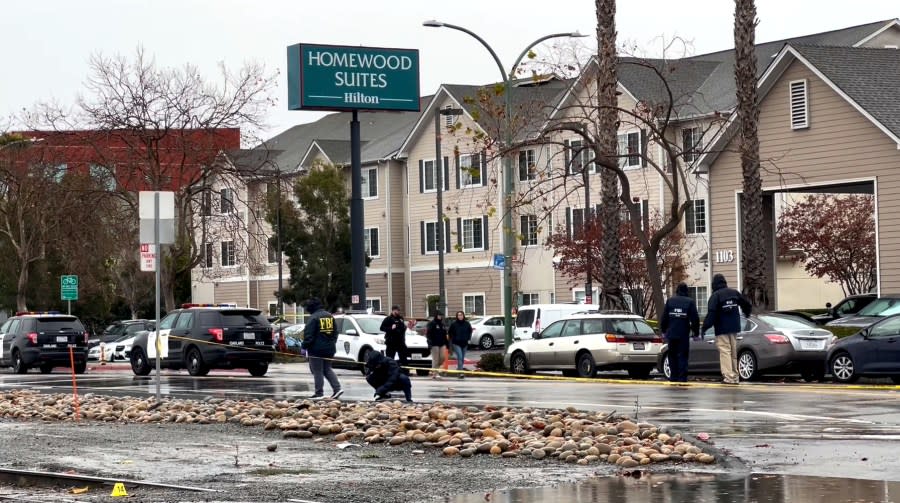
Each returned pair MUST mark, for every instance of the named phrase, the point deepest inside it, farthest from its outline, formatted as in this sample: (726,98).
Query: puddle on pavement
(700,488)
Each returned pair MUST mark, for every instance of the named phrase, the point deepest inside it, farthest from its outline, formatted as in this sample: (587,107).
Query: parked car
(360,334)
(847,307)
(879,308)
(43,340)
(487,332)
(201,337)
(119,328)
(107,351)
(873,351)
(535,317)
(767,343)
(582,344)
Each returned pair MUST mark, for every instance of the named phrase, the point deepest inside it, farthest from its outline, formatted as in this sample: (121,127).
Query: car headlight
(379,340)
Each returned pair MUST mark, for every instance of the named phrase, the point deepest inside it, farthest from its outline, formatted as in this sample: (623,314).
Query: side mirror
(351,331)
(535,335)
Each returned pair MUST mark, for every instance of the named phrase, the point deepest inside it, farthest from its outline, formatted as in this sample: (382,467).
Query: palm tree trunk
(753,235)
(607,126)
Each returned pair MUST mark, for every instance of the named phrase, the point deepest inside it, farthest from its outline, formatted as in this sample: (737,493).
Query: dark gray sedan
(767,343)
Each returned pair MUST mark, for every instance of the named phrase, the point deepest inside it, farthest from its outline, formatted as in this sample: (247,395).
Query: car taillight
(32,338)
(217,333)
(778,339)
(656,339)
(615,338)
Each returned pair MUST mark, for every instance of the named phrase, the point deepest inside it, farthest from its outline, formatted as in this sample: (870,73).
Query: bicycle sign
(68,287)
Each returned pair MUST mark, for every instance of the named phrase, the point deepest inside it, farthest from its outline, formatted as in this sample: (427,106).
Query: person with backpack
(320,343)
(460,334)
(436,334)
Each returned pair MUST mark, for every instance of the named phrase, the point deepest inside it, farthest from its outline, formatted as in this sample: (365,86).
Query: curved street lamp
(508,189)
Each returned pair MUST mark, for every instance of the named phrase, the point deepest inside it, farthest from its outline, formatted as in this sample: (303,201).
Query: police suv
(201,337)
(43,340)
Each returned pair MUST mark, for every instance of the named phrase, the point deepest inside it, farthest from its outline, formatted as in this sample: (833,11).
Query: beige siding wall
(480,281)
(231,291)
(798,290)
(891,36)
(840,144)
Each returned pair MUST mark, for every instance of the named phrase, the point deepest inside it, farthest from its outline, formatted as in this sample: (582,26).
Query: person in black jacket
(724,314)
(383,374)
(436,334)
(460,334)
(679,323)
(394,328)
(319,341)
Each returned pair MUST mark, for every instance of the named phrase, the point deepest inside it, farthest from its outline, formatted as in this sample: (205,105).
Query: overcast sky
(47,43)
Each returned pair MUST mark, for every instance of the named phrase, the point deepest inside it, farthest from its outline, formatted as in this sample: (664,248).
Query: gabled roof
(866,78)
(381,135)
(336,151)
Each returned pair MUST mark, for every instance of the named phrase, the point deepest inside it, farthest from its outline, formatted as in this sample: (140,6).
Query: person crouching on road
(319,341)
(460,334)
(436,333)
(394,328)
(383,374)
(679,323)
(724,313)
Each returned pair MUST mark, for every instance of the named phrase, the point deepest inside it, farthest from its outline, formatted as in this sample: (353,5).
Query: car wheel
(363,358)
(139,364)
(46,369)
(18,365)
(194,363)
(585,365)
(422,372)
(259,369)
(518,364)
(747,369)
(640,372)
(79,368)
(812,374)
(665,368)
(843,369)
(486,341)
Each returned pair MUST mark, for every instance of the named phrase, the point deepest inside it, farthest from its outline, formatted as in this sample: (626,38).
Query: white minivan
(533,317)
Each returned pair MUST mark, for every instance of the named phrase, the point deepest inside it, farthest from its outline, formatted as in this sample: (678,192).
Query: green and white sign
(336,77)
(68,287)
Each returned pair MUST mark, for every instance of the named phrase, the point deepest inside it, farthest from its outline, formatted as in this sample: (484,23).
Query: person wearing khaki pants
(724,315)
(727,346)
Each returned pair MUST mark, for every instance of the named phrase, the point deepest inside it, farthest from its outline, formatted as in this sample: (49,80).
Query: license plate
(260,343)
(236,343)
(62,338)
(638,346)
(416,357)
(810,344)
(249,336)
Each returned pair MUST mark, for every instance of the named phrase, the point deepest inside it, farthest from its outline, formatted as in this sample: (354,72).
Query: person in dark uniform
(320,341)
(679,323)
(383,374)
(724,313)
(394,328)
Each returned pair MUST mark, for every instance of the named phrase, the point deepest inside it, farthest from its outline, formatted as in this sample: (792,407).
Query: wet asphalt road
(801,429)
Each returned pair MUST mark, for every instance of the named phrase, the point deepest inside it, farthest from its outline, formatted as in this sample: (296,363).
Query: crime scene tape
(537,377)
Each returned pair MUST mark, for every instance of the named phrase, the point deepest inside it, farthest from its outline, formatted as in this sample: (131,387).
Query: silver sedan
(487,332)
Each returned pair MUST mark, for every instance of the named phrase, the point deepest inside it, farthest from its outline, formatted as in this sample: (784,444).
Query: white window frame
(578,295)
(433,251)
(224,255)
(530,165)
(370,304)
(572,228)
(368,175)
(584,154)
(625,159)
(465,172)
(529,230)
(694,293)
(534,298)
(367,240)
(226,195)
(272,308)
(479,237)
(694,214)
(794,104)
(434,174)
(690,153)
(472,295)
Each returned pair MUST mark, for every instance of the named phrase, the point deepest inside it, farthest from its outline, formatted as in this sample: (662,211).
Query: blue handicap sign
(499,261)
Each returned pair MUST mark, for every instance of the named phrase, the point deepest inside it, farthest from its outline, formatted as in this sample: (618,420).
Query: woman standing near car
(460,333)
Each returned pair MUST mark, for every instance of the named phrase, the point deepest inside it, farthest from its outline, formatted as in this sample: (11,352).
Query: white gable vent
(799,105)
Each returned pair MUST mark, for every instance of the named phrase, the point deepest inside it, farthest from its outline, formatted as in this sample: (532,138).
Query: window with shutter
(799,104)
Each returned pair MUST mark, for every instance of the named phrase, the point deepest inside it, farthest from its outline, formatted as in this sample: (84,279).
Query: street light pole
(508,187)
(278,256)
(439,227)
